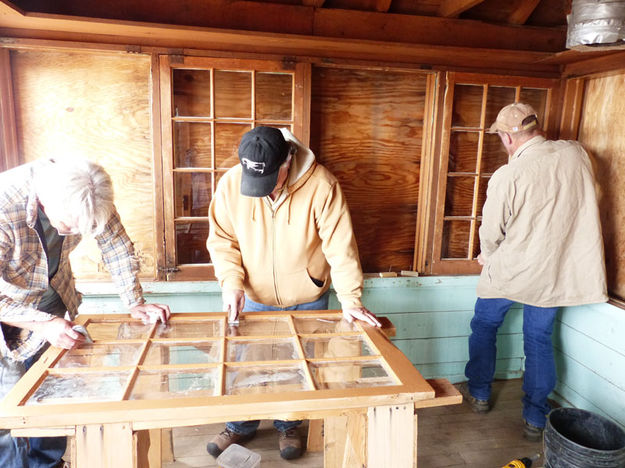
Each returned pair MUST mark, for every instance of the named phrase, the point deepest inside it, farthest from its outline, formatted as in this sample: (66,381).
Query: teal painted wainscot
(432,315)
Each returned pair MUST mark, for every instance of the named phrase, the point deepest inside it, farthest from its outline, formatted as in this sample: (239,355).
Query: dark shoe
(290,444)
(478,406)
(532,433)
(224,439)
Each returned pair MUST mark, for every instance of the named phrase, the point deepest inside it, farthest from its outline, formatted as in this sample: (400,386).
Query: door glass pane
(227,139)
(481,194)
(188,329)
(159,384)
(192,93)
(463,152)
(265,379)
(191,243)
(192,144)
(467,105)
(101,331)
(456,239)
(353,374)
(273,96)
(498,98)
(233,94)
(260,350)
(80,388)
(192,193)
(161,353)
(493,153)
(336,346)
(101,355)
(537,98)
(459,196)
(249,326)
(307,325)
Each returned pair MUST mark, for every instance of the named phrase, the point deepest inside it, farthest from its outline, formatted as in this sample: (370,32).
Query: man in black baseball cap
(262,151)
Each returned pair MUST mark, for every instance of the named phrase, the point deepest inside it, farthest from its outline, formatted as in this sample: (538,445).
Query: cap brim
(259,186)
(494,128)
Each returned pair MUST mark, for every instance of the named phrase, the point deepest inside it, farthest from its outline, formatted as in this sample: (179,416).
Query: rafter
(523,11)
(382,5)
(313,3)
(7,8)
(452,8)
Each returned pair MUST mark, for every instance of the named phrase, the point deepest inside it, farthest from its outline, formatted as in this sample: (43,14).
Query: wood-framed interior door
(207,104)
(470,155)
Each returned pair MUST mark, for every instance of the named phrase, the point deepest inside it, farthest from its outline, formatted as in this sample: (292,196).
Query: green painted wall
(432,315)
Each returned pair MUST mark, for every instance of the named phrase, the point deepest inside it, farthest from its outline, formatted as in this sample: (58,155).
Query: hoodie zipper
(273,256)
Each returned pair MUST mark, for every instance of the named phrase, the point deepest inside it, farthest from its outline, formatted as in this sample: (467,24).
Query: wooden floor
(447,437)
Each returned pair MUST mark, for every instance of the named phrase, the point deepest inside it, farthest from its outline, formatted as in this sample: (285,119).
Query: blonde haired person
(45,208)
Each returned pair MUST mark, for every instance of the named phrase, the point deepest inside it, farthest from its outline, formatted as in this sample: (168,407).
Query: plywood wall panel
(366,127)
(601,132)
(97,106)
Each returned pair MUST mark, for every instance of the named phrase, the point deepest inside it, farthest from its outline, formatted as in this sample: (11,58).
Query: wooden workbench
(136,378)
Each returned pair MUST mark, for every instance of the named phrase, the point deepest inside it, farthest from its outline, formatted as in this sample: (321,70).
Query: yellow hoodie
(273,250)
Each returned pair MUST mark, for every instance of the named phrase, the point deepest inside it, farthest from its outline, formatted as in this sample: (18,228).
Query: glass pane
(463,151)
(182,353)
(459,196)
(80,388)
(537,98)
(467,105)
(455,239)
(192,144)
(192,193)
(261,350)
(109,355)
(357,374)
(191,243)
(233,94)
(159,384)
(227,139)
(265,379)
(494,154)
(481,194)
(336,346)
(100,331)
(189,329)
(307,325)
(498,98)
(192,90)
(476,246)
(263,326)
(273,96)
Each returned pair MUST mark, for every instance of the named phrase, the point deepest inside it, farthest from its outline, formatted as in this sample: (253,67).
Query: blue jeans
(248,427)
(21,452)
(539,378)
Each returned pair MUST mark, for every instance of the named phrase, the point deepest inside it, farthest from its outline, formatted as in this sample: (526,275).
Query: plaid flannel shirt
(24,266)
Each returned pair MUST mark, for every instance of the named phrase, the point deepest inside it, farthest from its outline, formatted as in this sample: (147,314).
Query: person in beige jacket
(541,246)
(280,233)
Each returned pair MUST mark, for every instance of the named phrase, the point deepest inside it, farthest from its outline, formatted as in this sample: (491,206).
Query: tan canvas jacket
(541,233)
(273,251)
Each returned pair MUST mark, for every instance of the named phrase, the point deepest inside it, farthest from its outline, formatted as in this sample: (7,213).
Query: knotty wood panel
(601,132)
(366,128)
(97,106)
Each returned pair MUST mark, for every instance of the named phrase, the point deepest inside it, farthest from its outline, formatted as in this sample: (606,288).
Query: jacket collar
(531,142)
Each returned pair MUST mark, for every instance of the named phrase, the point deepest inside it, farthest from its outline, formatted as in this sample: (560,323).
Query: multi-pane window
(207,106)
(470,155)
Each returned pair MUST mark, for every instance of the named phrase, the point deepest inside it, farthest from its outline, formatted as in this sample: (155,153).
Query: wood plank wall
(367,128)
(601,133)
(98,106)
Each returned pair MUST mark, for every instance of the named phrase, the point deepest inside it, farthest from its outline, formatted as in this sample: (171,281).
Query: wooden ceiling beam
(382,5)
(452,8)
(523,11)
(313,3)
(328,22)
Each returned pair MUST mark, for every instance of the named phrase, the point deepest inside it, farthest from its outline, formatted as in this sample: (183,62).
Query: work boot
(478,406)
(224,439)
(532,433)
(290,444)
